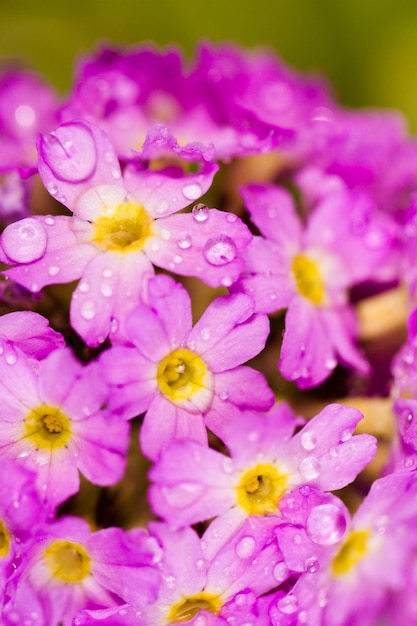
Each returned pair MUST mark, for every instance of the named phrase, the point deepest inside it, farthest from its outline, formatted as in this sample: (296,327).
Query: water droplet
(114,325)
(280,572)
(165,234)
(297,539)
(116,173)
(245,547)
(11,358)
(200,565)
(154,246)
(88,310)
(219,250)
(326,524)
(205,334)
(162,207)
(309,468)
(49,220)
(226,281)
(227,465)
(345,435)
(308,440)
(200,212)
(52,188)
(107,272)
(106,290)
(272,213)
(273,295)
(122,612)
(231,217)
(288,605)
(192,191)
(25,241)
(170,581)
(311,566)
(223,395)
(184,242)
(84,286)
(108,156)
(53,270)
(178,259)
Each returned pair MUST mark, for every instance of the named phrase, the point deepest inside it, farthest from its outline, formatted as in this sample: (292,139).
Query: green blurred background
(366,48)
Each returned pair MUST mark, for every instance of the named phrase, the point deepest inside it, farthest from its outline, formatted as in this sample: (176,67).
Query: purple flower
(52,421)
(309,271)
(186,376)
(198,589)
(118,230)
(67,568)
(357,570)
(128,92)
(193,483)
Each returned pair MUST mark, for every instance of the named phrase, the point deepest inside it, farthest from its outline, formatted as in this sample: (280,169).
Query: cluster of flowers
(316,224)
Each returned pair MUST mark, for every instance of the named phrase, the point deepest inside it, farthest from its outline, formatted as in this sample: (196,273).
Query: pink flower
(52,421)
(309,271)
(67,567)
(120,227)
(186,377)
(192,483)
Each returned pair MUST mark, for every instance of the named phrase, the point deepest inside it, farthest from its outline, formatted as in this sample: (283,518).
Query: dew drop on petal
(106,290)
(219,250)
(288,605)
(226,281)
(326,524)
(280,572)
(223,395)
(162,207)
(107,272)
(11,358)
(311,566)
(178,259)
(53,270)
(345,435)
(231,217)
(184,242)
(245,547)
(84,286)
(200,565)
(308,441)
(49,220)
(25,241)
(52,188)
(205,334)
(227,465)
(192,191)
(200,212)
(309,468)
(88,310)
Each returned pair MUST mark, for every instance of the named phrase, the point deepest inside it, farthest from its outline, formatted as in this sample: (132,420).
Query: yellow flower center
(181,374)
(308,279)
(351,552)
(68,561)
(47,427)
(4,540)
(187,608)
(124,228)
(260,489)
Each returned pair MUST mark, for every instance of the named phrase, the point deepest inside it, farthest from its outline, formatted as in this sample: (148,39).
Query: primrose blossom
(200,588)
(120,227)
(52,421)
(67,567)
(359,571)
(191,483)
(186,377)
(309,271)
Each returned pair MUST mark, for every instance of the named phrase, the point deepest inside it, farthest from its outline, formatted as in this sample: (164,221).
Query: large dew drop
(326,524)
(25,241)
(219,250)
